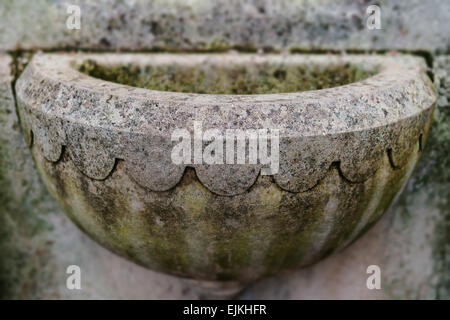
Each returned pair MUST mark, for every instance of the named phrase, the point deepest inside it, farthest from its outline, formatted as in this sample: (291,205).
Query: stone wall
(411,243)
(223,24)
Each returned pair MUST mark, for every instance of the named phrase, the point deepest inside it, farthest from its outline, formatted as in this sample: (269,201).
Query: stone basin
(351,130)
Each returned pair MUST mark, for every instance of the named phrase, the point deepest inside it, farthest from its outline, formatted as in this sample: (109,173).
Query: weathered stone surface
(353,125)
(416,266)
(190,231)
(224,24)
(410,244)
(23,204)
(37,241)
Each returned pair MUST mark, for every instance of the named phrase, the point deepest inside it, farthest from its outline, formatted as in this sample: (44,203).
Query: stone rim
(351,125)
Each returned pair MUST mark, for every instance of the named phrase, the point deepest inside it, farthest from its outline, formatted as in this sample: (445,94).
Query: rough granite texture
(415,267)
(410,243)
(103,150)
(224,24)
(101,122)
(38,242)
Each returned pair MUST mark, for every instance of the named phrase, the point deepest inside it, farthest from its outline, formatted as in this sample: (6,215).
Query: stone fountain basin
(104,151)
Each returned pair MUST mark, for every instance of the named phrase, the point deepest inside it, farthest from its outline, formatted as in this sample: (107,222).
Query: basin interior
(214,77)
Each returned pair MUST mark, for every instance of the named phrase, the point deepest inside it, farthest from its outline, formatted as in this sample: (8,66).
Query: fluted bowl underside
(104,151)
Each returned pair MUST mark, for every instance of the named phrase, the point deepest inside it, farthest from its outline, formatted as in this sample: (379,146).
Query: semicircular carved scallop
(28,136)
(400,153)
(48,136)
(51,150)
(304,162)
(228,179)
(148,162)
(403,138)
(424,133)
(91,152)
(361,154)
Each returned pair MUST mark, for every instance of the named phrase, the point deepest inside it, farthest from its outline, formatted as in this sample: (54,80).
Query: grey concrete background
(411,243)
(221,24)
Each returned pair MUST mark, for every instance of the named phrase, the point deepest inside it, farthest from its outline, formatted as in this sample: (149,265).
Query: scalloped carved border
(56,119)
(54,155)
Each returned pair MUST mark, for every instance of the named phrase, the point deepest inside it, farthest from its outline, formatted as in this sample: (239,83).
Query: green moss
(435,176)
(5,233)
(431,182)
(217,45)
(19,227)
(24,252)
(436,168)
(234,79)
